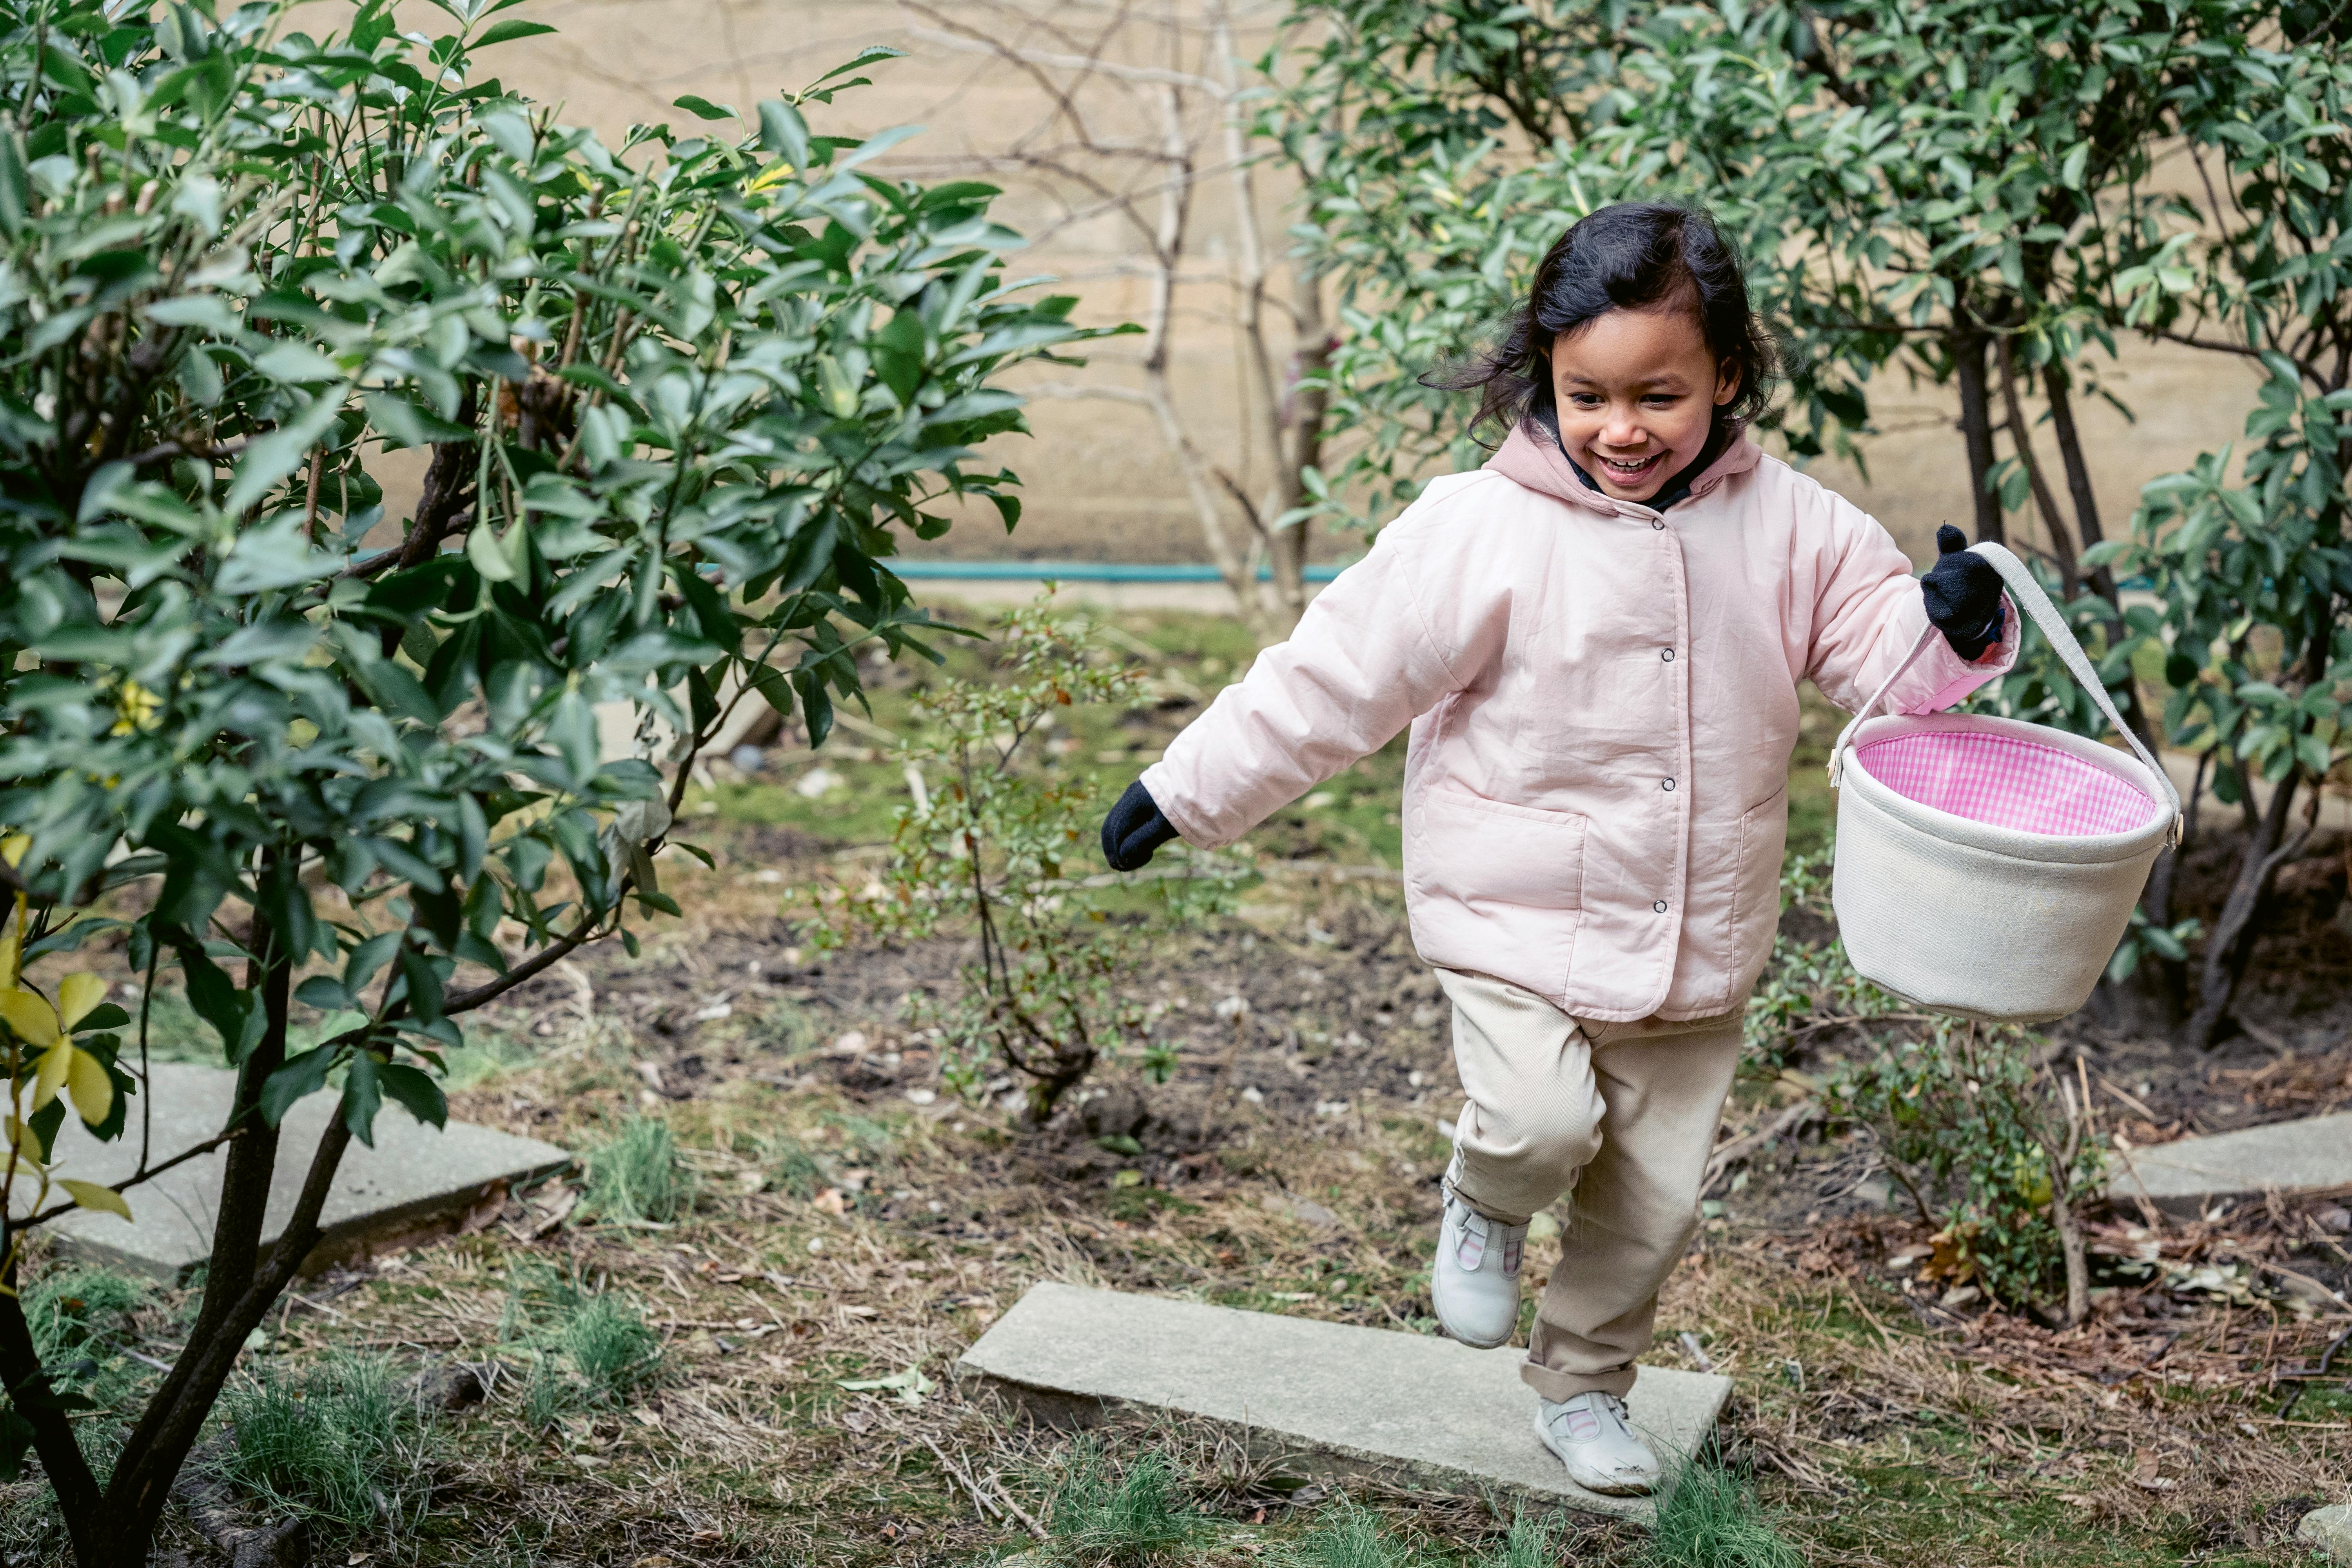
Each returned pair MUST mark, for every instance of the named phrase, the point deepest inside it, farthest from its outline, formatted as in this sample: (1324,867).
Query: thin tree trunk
(1969,350)
(2161,983)
(2021,441)
(1238,570)
(143,1476)
(2231,941)
(2056,387)
(1292,420)
(79,1501)
(2232,944)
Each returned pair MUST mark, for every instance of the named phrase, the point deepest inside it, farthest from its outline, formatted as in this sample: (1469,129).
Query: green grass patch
(340,1443)
(1711,1519)
(1107,1517)
(634,1177)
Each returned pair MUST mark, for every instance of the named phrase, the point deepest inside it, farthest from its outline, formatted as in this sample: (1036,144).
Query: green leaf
(506,31)
(270,458)
(98,1199)
(488,555)
(784,132)
(872,54)
(301,1075)
(702,107)
(415,1091)
(362,1097)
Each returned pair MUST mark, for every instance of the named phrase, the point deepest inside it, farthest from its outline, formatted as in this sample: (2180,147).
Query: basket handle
(2046,615)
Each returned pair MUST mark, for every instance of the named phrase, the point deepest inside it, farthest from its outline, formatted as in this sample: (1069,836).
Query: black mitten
(1963,594)
(1134,828)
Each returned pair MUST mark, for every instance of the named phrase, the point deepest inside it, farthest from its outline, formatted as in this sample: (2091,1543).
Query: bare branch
(1053,61)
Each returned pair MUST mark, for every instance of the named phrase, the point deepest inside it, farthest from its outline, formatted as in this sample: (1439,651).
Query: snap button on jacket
(1557,654)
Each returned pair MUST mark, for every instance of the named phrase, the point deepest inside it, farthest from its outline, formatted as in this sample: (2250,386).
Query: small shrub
(1710,1520)
(1976,1134)
(1969,1127)
(1104,1518)
(635,1178)
(1001,847)
(337,1444)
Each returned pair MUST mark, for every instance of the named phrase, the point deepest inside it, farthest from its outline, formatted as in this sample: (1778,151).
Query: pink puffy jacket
(1603,702)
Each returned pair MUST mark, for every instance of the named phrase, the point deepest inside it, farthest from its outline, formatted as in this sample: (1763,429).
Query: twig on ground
(1005,1496)
(988,1511)
(1740,1148)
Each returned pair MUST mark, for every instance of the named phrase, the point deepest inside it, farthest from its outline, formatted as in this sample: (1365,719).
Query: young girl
(1598,639)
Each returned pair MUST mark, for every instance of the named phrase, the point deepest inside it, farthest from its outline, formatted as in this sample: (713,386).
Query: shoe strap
(1471,1250)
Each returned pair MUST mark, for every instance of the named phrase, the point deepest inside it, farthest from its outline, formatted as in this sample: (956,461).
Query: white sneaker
(1475,1286)
(1590,1434)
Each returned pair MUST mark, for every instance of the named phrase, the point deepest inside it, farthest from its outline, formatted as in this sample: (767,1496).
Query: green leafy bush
(676,401)
(1988,1145)
(1808,988)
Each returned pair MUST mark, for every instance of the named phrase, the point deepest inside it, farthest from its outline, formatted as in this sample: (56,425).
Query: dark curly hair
(1635,255)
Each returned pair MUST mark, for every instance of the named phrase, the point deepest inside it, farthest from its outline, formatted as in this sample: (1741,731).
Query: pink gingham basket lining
(2005,782)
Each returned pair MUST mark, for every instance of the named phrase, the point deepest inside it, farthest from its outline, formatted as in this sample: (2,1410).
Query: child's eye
(1585,399)
(1662,399)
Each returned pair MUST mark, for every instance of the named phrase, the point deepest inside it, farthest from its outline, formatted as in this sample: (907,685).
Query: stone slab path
(415,1182)
(1427,1410)
(2184,1177)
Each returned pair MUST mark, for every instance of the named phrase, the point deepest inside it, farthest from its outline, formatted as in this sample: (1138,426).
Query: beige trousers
(1625,1115)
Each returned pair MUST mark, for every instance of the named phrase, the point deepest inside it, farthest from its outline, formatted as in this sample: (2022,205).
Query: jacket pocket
(1496,888)
(1756,883)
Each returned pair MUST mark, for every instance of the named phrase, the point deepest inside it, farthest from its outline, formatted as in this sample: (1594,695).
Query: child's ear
(1726,382)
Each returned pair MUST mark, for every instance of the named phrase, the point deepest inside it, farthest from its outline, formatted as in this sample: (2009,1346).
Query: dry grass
(840,1233)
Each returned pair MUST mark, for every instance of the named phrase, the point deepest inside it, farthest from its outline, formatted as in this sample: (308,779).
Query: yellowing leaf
(776,174)
(11,948)
(86,1081)
(55,1063)
(90,1195)
(17,1136)
(76,995)
(35,1022)
(13,847)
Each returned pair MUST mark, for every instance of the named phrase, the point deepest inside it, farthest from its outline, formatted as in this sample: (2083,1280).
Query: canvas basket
(1987,867)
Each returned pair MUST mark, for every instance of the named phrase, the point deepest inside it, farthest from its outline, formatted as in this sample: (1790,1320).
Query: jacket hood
(1530,457)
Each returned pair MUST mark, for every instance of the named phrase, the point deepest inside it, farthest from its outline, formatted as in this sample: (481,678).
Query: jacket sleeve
(1389,637)
(1868,614)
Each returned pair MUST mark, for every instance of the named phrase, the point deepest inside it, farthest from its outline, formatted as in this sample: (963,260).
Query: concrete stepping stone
(417,1182)
(2185,1177)
(1407,1407)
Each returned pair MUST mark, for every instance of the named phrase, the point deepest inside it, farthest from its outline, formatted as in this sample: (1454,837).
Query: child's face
(1636,392)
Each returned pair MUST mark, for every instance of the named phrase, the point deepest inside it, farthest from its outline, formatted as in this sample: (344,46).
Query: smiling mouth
(1629,471)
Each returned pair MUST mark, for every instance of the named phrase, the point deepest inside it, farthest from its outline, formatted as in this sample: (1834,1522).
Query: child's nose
(1621,429)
